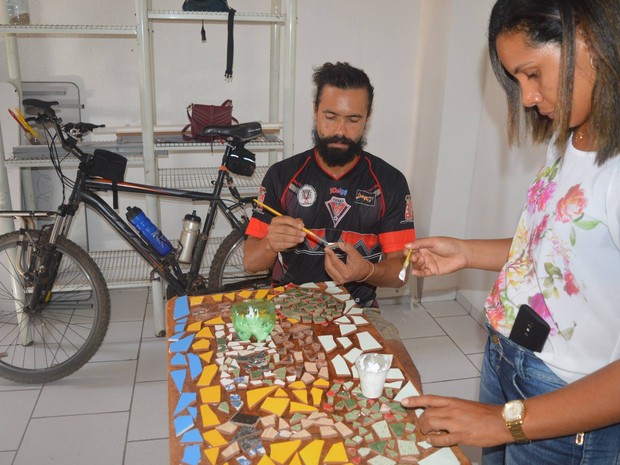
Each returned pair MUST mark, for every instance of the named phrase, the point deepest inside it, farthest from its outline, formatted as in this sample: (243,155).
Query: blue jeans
(510,372)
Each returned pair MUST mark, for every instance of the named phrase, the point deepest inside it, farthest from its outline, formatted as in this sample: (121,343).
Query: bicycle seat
(40,104)
(240,132)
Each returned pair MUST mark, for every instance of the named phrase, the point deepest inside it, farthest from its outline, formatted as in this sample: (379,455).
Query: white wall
(438,113)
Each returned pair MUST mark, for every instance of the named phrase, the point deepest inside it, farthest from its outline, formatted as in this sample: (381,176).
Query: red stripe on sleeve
(257,228)
(396,240)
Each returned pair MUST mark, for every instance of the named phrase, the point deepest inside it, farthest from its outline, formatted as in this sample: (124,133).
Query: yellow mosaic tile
(230,296)
(280,393)
(298,407)
(207,356)
(215,321)
(201,344)
(321,383)
(214,438)
(296,460)
(266,461)
(301,394)
(261,293)
(209,418)
(217,297)
(280,452)
(212,454)
(337,454)
(297,385)
(196,299)
(245,294)
(194,327)
(311,454)
(208,372)
(211,394)
(254,396)
(204,332)
(317,395)
(277,405)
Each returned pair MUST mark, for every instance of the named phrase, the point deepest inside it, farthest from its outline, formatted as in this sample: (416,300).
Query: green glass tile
(398,429)
(378,446)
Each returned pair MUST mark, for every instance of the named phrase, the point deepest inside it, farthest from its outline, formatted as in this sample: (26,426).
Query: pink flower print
(539,194)
(538,233)
(571,206)
(570,286)
(537,302)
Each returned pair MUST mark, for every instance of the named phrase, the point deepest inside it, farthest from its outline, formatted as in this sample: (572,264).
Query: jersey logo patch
(306,196)
(338,208)
(408,210)
(365,198)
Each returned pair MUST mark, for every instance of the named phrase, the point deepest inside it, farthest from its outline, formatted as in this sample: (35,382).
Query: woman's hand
(447,421)
(433,256)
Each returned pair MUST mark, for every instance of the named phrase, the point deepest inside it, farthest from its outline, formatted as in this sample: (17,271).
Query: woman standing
(558,403)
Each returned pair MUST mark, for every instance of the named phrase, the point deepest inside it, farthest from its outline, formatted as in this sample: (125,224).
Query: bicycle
(54,301)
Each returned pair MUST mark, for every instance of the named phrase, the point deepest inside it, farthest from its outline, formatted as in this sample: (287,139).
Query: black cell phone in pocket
(530,330)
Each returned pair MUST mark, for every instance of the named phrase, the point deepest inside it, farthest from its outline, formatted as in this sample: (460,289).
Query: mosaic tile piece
(182,424)
(277,405)
(265,460)
(255,396)
(347,329)
(298,407)
(191,455)
(211,394)
(336,454)
(212,454)
(185,399)
(181,307)
(311,454)
(191,437)
(206,378)
(381,460)
(178,376)
(182,345)
(178,360)
(341,367)
(407,391)
(367,342)
(281,452)
(352,355)
(209,417)
(443,456)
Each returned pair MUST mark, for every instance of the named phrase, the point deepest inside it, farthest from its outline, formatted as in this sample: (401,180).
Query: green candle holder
(253,317)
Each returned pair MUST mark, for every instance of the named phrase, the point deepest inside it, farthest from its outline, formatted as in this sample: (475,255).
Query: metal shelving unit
(124,268)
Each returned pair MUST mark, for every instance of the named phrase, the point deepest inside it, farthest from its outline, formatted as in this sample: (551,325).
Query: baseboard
(476,312)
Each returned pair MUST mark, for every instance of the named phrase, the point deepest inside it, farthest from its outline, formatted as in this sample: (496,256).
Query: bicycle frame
(163,265)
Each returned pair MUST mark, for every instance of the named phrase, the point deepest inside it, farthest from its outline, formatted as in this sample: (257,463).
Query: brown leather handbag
(207,115)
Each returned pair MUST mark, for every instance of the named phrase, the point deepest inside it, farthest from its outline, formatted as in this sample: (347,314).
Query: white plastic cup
(372,369)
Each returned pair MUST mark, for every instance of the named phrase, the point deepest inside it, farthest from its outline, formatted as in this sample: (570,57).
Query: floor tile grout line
(135,377)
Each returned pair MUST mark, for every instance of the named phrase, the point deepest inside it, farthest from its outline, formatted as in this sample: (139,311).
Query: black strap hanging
(230,52)
(203,34)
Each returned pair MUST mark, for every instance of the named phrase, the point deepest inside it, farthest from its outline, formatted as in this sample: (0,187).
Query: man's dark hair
(341,76)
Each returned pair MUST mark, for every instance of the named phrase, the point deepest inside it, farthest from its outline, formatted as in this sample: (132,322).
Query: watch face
(513,410)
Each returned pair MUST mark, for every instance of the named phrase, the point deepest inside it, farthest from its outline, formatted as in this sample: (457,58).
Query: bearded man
(342,194)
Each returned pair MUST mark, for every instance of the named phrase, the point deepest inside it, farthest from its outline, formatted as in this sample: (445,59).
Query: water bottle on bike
(149,231)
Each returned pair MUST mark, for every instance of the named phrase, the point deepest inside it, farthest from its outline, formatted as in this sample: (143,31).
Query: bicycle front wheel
(59,337)
(227,271)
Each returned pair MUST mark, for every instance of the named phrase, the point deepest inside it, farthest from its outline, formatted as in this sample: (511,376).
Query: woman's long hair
(557,22)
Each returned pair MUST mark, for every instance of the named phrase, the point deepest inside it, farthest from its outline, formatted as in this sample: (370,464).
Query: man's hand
(355,268)
(284,233)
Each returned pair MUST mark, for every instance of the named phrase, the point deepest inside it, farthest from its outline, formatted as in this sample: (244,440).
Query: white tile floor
(114,410)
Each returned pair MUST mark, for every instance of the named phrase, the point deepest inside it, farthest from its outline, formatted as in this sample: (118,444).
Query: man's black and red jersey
(370,207)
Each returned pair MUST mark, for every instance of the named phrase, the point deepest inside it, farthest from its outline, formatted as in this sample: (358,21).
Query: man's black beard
(335,156)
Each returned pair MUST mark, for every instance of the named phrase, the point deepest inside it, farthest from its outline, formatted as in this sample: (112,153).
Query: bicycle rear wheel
(227,271)
(38,346)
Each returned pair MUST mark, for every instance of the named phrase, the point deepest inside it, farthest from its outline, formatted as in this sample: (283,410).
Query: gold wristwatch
(514,414)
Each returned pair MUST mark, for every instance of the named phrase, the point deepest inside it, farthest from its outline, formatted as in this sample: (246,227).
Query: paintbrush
(321,241)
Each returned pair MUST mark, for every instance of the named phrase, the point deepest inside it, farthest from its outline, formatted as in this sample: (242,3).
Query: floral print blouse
(564,262)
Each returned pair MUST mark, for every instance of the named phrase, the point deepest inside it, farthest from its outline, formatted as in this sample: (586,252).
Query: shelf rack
(280,24)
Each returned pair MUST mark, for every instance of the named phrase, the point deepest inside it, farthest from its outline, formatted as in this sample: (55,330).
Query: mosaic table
(293,399)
